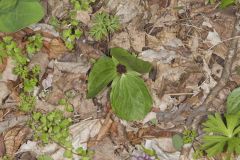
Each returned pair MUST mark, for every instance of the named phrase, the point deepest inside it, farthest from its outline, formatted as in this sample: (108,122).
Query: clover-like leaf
(233,101)
(25,12)
(130,98)
(102,73)
(130,61)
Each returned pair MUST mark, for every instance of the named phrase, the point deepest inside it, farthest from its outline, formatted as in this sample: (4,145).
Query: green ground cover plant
(104,24)
(130,98)
(35,44)
(222,132)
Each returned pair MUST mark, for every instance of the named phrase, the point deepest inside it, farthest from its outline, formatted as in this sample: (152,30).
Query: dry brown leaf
(88,51)
(84,107)
(120,40)
(4,91)
(56,48)
(105,127)
(40,59)
(83,16)
(3,65)
(8,72)
(2,146)
(13,139)
(137,38)
(118,133)
(125,9)
(105,150)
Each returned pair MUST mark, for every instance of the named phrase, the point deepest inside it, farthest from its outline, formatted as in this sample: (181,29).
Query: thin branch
(232,52)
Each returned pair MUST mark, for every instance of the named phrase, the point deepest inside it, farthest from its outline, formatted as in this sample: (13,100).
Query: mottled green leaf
(102,73)
(130,98)
(24,14)
(177,141)
(130,61)
(233,101)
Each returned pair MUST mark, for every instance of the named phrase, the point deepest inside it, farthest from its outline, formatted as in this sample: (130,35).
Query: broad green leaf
(233,101)
(226,3)
(130,98)
(6,5)
(24,14)
(177,141)
(102,73)
(130,61)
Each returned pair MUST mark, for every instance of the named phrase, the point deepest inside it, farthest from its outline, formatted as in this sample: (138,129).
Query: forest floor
(187,41)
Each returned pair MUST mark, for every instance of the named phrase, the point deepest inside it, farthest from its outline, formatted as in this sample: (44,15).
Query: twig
(232,52)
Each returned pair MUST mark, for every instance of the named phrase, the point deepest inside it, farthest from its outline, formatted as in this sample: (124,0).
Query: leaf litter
(187,50)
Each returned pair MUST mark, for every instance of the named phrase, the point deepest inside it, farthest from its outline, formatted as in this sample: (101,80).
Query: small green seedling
(81,4)
(70,36)
(35,43)
(198,153)
(29,77)
(27,102)
(189,136)
(50,127)
(85,154)
(72,32)
(8,47)
(66,104)
(151,153)
(130,98)
(103,24)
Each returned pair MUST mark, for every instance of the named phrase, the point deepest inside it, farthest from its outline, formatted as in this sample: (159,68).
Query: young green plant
(130,98)
(54,127)
(103,24)
(222,136)
(81,4)
(35,43)
(29,77)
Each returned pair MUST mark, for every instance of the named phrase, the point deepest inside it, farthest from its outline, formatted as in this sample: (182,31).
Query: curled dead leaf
(56,48)
(13,139)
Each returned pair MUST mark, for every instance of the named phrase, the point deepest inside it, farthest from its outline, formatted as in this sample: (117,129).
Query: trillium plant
(130,98)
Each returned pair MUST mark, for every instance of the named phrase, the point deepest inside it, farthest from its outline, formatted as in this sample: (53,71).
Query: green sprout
(27,102)
(35,43)
(103,24)
(189,136)
(50,127)
(81,4)
(66,104)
